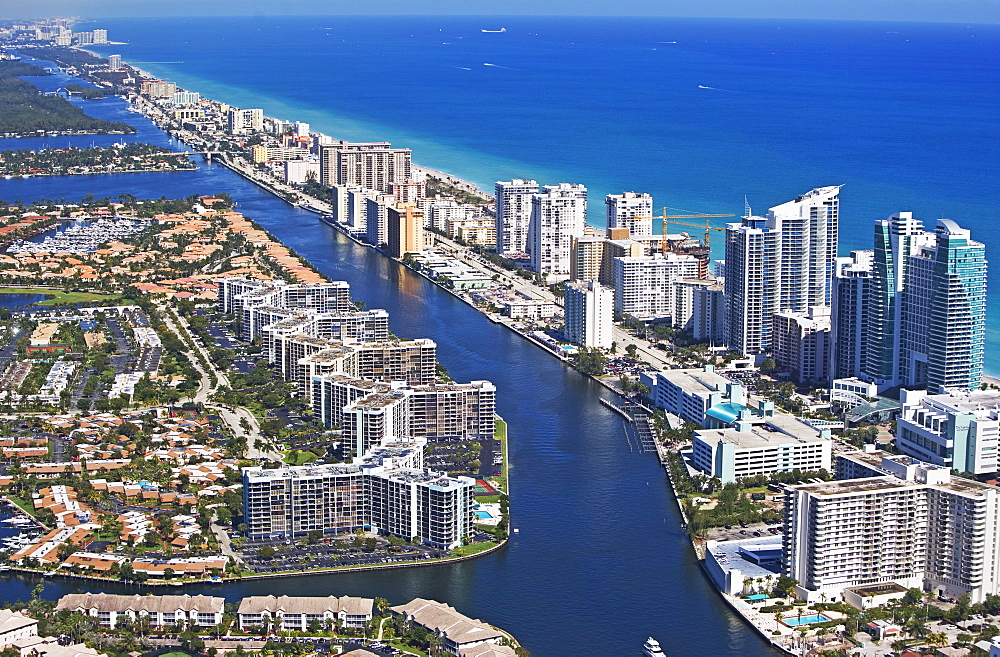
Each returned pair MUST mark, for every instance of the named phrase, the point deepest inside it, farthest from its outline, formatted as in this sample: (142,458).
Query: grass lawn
(297,457)
(66,298)
(27,507)
(475,548)
(409,649)
(58,298)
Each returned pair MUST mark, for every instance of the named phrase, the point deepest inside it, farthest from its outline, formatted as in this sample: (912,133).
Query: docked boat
(652,648)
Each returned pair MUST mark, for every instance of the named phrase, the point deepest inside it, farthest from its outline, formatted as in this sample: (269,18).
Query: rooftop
(732,555)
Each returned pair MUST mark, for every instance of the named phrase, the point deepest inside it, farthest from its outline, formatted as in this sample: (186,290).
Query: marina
(82,237)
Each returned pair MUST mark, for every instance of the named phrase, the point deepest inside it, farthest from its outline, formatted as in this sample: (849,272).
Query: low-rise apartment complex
(160,610)
(295,613)
(461,634)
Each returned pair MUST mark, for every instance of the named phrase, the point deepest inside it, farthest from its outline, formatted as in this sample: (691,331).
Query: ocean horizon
(698,112)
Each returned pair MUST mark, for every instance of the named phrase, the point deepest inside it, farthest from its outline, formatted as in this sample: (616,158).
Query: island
(24,111)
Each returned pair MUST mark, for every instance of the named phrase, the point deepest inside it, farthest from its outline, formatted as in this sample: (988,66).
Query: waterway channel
(600,561)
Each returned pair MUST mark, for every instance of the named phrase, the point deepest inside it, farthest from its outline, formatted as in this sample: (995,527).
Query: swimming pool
(795,621)
(483,515)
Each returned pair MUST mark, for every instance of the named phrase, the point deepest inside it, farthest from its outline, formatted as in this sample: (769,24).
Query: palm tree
(916,627)
(435,643)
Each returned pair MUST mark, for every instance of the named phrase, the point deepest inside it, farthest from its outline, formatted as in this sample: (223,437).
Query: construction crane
(693,215)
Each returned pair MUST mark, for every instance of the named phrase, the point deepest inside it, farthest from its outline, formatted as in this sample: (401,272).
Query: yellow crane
(671,218)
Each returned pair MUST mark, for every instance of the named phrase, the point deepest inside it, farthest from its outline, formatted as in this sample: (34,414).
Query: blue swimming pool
(483,515)
(795,621)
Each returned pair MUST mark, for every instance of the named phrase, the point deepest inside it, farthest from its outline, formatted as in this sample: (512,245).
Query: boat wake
(509,68)
(461,68)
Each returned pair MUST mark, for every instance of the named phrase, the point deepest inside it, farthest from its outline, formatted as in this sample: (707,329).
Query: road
(240,421)
(225,545)
(646,351)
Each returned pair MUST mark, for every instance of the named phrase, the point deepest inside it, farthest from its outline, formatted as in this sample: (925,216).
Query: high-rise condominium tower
(558,214)
(630,210)
(782,262)
(926,316)
(513,213)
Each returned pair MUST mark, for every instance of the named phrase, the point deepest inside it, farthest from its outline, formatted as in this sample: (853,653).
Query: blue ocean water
(697,112)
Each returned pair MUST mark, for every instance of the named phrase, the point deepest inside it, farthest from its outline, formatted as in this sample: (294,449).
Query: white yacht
(652,648)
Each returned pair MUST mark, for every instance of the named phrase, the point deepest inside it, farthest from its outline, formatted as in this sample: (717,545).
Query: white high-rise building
(558,215)
(589,314)
(630,210)
(918,527)
(513,214)
(801,343)
(782,262)
(100,36)
(181,97)
(373,165)
(646,286)
(243,121)
(114,62)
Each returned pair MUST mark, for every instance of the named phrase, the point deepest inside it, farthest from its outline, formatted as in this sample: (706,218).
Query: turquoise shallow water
(697,112)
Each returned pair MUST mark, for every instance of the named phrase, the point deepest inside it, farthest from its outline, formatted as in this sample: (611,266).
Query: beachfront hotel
(801,343)
(917,526)
(372,165)
(558,216)
(241,121)
(852,276)
(646,286)
(782,262)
